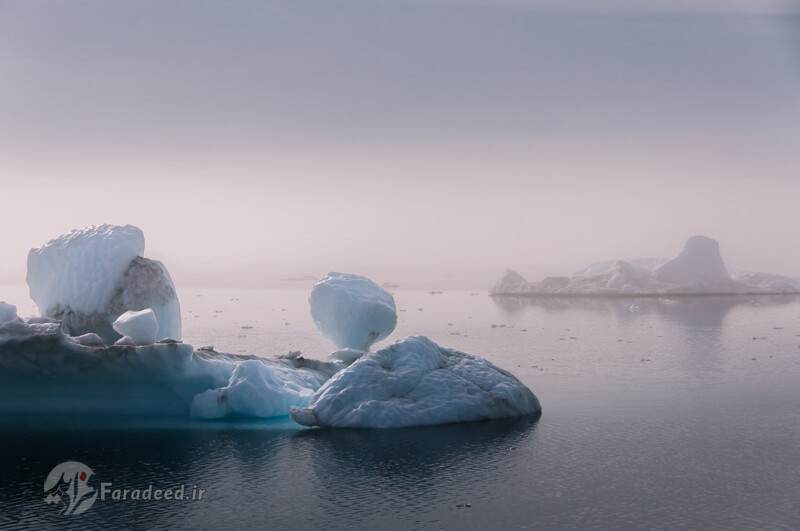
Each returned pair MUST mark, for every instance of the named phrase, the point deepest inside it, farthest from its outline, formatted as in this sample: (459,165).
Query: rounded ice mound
(416,382)
(8,312)
(89,276)
(141,327)
(352,311)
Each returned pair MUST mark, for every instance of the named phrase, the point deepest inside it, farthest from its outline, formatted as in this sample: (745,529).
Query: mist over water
(428,144)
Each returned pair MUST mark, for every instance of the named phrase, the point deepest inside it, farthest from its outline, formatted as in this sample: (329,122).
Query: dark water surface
(663,414)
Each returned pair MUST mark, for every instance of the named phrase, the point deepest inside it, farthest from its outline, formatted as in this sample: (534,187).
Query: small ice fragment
(125,341)
(141,326)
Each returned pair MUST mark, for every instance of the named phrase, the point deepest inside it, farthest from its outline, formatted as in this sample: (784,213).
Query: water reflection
(695,311)
(412,468)
(322,474)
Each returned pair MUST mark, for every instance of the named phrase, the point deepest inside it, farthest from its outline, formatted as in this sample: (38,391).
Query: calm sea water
(656,414)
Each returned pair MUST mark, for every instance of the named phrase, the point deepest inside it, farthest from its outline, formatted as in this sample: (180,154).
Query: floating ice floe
(697,270)
(416,382)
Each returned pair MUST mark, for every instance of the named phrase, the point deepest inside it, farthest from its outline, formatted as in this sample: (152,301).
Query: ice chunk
(125,341)
(90,340)
(257,389)
(352,311)
(141,327)
(416,382)
(8,312)
(89,276)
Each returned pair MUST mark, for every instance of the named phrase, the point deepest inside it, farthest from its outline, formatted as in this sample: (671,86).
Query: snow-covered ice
(352,311)
(141,326)
(89,276)
(416,382)
(697,270)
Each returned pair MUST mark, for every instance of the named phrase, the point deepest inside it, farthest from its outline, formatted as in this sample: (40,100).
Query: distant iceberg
(697,270)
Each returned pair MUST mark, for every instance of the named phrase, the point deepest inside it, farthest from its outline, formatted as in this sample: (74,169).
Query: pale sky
(430,143)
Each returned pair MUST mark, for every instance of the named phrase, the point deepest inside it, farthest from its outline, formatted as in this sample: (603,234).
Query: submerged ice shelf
(697,270)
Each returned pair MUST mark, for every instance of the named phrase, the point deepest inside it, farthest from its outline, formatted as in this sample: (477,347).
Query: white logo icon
(69,483)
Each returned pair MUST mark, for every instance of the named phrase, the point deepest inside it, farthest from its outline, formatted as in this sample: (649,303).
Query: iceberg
(416,382)
(352,311)
(90,276)
(102,347)
(697,270)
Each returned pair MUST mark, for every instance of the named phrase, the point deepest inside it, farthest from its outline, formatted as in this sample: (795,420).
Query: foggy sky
(429,143)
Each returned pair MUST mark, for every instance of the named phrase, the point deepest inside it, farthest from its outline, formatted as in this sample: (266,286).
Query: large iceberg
(697,270)
(416,382)
(352,311)
(89,277)
(94,281)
